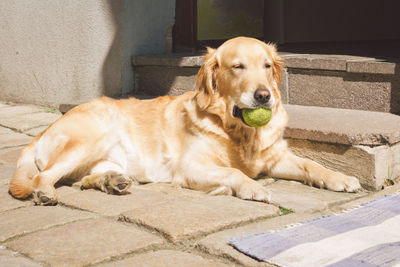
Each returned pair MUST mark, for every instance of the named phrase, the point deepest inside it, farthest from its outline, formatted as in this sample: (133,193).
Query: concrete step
(364,144)
(337,81)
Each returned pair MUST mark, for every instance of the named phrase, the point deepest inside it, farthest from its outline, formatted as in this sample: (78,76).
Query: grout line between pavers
(179,246)
(149,248)
(31,135)
(202,234)
(121,218)
(13,146)
(344,201)
(23,255)
(206,255)
(184,245)
(18,236)
(222,255)
(185,248)
(17,208)
(22,131)
(117,218)
(80,209)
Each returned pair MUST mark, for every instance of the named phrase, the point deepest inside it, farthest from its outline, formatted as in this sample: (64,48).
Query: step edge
(344,63)
(348,135)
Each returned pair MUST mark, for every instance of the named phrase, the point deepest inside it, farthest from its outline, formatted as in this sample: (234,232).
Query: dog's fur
(194,140)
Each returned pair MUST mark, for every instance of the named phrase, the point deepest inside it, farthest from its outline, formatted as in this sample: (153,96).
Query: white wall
(55,51)
(71,51)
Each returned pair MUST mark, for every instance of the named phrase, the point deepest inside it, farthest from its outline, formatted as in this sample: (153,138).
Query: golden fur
(194,140)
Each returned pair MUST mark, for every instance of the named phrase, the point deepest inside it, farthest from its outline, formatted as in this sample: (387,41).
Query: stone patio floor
(154,225)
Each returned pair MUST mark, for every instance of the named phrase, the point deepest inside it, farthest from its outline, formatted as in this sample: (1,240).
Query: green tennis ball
(257,117)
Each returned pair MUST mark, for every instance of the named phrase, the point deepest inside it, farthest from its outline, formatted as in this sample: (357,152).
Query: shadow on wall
(112,68)
(140,29)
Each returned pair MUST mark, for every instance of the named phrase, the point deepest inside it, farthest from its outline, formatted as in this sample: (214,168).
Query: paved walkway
(155,225)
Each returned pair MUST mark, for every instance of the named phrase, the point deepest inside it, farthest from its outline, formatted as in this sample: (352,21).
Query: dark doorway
(301,26)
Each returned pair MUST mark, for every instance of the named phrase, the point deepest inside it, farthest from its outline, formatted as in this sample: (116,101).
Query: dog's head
(243,73)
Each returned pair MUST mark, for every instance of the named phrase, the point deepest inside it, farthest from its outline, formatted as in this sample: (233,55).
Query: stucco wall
(57,51)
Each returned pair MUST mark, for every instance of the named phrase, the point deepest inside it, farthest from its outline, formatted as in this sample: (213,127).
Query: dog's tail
(21,184)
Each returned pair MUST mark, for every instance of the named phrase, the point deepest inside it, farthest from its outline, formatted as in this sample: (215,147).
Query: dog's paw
(44,199)
(116,183)
(252,190)
(221,191)
(341,183)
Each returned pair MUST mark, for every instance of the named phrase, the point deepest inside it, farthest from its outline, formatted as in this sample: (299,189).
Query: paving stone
(184,218)
(6,172)
(10,155)
(113,205)
(14,139)
(302,198)
(35,131)
(25,220)
(13,259)
(217,244)
(7,111)
(84,242)
(66,190)
(170,189)
(7,202)
(4,130)
(26,122)
(166,258)
(389,190)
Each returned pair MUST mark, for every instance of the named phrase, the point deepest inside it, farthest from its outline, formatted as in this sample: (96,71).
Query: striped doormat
(366,236)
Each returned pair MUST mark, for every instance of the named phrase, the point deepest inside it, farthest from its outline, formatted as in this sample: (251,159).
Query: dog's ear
(277,65)
(205,82)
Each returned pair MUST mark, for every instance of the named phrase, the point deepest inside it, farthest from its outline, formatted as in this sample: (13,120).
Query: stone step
(364,144)
(342,126)
(336,81)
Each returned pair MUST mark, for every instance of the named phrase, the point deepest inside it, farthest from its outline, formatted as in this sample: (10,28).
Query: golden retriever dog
(197,140)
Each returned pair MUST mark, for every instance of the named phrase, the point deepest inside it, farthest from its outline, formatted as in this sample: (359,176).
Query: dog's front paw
(251,190)
(342,183)
(116,184)
(44,199)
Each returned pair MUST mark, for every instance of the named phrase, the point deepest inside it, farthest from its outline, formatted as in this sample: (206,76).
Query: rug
(366,236)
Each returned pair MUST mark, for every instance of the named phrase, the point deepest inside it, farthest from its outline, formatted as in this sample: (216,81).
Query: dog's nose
(262,95)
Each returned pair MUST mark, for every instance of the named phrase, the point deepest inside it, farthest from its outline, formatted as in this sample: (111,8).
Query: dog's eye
(267,66)
(238,66)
